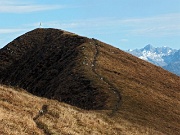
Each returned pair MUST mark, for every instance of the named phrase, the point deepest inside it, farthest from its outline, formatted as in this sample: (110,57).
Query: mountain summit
(149,48)
(58,65)
(95,76)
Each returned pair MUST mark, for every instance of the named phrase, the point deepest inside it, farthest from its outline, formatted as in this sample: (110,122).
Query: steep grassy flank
(18,111)
(150,95)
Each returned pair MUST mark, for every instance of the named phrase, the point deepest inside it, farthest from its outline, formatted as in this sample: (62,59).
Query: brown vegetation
(19,108)
(150,95)
(141,98)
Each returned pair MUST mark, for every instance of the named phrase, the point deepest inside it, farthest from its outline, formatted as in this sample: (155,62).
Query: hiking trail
(112,87)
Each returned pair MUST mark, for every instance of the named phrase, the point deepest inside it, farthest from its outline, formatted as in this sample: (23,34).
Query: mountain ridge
(164,57)
(92,75)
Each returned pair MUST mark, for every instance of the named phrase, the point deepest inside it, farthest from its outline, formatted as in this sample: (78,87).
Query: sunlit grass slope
(18,110)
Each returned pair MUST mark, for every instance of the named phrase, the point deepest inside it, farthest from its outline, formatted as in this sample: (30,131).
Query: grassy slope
(18,108)
(150,95)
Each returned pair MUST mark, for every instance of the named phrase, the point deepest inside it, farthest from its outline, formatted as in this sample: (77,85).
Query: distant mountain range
(164,57)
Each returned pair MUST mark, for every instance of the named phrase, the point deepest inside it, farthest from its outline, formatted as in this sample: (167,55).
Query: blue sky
(126,24)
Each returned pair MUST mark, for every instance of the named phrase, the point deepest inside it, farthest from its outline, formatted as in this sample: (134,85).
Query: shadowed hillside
(50,63)
(92,75)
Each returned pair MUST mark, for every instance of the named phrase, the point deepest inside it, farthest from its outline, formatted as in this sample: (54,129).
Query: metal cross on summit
(40,25)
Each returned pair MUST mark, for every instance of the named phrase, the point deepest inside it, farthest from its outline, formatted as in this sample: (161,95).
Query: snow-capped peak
(161,56)
(155,55)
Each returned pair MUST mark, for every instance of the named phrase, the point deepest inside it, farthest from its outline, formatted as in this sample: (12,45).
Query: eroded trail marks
(42,126)
(102,78)
(42,112)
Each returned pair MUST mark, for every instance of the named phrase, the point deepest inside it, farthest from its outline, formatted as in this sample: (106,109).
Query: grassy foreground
(20,113)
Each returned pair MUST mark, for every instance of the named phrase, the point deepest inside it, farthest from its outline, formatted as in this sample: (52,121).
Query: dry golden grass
(18,108)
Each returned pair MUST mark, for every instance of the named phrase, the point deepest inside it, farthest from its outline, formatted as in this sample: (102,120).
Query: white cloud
(163,25)
(7,31)
(124,40)
(24,7)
